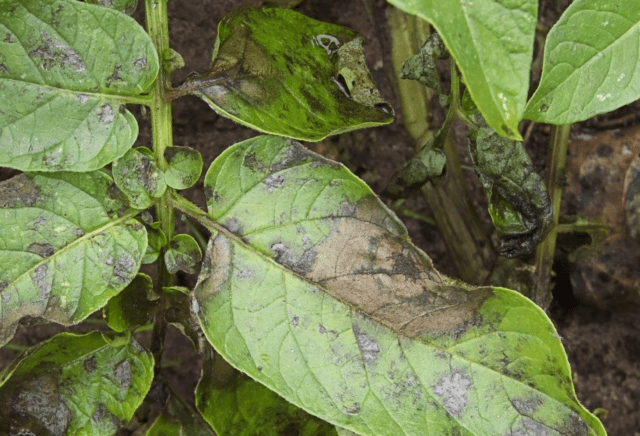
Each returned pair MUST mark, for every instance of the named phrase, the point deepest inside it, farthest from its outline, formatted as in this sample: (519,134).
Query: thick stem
(162,135)
(556,161)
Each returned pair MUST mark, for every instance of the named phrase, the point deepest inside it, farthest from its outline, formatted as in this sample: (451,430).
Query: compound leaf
(492,44)
(280,72)
(74,385)
(68,243)
(66,71)
(590,62)
(311,286)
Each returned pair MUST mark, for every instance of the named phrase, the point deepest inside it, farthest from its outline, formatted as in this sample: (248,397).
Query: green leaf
(185,167)
(184,254)
(590,62)
(179,419)
(66,71)
(139,178)
(74,385)
(279,72)
(126,6)
(132,307)
(68,243)
(492,44)
(240,406)
(313,289)
(519,204)
(157,239)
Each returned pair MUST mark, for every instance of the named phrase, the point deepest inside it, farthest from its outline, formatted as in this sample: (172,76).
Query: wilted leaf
(183,254)
(74,385)
(519,204)
(422,67)
(126,6)
(280,72)
(139,178)
(179,419)
(492,43)
(185,167)
(590,64)
(66,71)
(315,291)
(132,307)
(68,243)
(239,406)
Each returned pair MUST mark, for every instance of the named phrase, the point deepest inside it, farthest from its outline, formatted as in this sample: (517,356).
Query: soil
(603,344)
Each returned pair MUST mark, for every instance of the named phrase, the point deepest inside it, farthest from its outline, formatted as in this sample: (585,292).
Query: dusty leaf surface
(280,72)
(66,70)
(68,243)
(74,385)
(314,290)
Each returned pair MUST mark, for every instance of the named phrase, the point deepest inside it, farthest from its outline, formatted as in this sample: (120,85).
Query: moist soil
(603,344)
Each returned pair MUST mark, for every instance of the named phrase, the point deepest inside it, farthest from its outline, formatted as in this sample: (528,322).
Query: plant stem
(556,160)
(162,135)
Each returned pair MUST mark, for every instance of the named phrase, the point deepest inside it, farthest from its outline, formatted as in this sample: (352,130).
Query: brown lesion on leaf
(53,53)
(42,250)
(19,191)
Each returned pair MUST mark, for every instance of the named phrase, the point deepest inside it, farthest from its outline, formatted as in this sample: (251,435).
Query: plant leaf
(185,167)
(240,406)
(590,62)
(139,178)
(313,289)
(157,239)
(279,72)
(179,419)
(492,44)
(74,385)
(519,204)
(132,307)
(126,6)
(67,245)
(66,71)
(184,254)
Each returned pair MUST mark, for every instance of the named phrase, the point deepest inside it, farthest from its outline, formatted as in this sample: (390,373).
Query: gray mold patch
(83,98)
(295,321)
(529,427)
(352,410)
(405,266)
(54,53)
(106,114)
(274,181)
(452,391)
(234,226)
(246,273)
(19,191)
(40,280)
(122,371)
(140,63)
(124,268)
(195,306)
(285,256)
(42,250)
(3,286)
(37,224)
(526,407)
(295,154)
(115,77)
(368,347)
(90,364)
(41,404)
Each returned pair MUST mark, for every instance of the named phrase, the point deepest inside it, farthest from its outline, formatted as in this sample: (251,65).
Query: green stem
(162,135)
(556,161)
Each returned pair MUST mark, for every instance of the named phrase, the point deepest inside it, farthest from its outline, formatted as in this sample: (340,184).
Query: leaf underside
(590,62)
(279,72)
(67,245)
(74,385)
(66,68)
(315,290)
(492,44)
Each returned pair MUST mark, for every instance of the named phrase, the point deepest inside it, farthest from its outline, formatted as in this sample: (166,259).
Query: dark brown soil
(603,347)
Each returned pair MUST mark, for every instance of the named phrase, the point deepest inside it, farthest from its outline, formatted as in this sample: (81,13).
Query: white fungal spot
(274,181)
(83,98)
(195,306)
(368,347)
(603,97)
(452,391)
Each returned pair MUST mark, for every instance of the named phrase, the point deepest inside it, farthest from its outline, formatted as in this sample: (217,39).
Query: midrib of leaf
(128,214)
(192,210)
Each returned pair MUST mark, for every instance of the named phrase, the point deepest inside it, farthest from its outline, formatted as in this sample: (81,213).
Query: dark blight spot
(140,63)
(124,268)
(452,392)
(273,182)
(90,364)
(604,150)
(122,371)
(40,281)
(295,321)
(42,250)
(106,114)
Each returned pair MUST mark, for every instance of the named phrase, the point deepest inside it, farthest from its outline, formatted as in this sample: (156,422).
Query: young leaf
(157,239)
(132,307)
(314,290)
(66,71)
(184,254)
(74,385)
(492,44)
(68,244)
(185,167)
(126,6)
(519,204)
(139,178)
(280,72)
(590,62)
(179,419)
(241,406)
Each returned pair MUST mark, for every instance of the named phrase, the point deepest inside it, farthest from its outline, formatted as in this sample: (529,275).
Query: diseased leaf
(184,254)
(139,178)
(492,44)
(157,239)
(590,62)
(314,290)
(126,6)
(66,71)
(68,243)
(132,307)
(185,167)
(280,72)
(179,419)
(519,204)
(422,67)
(234,404)
(74,385)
